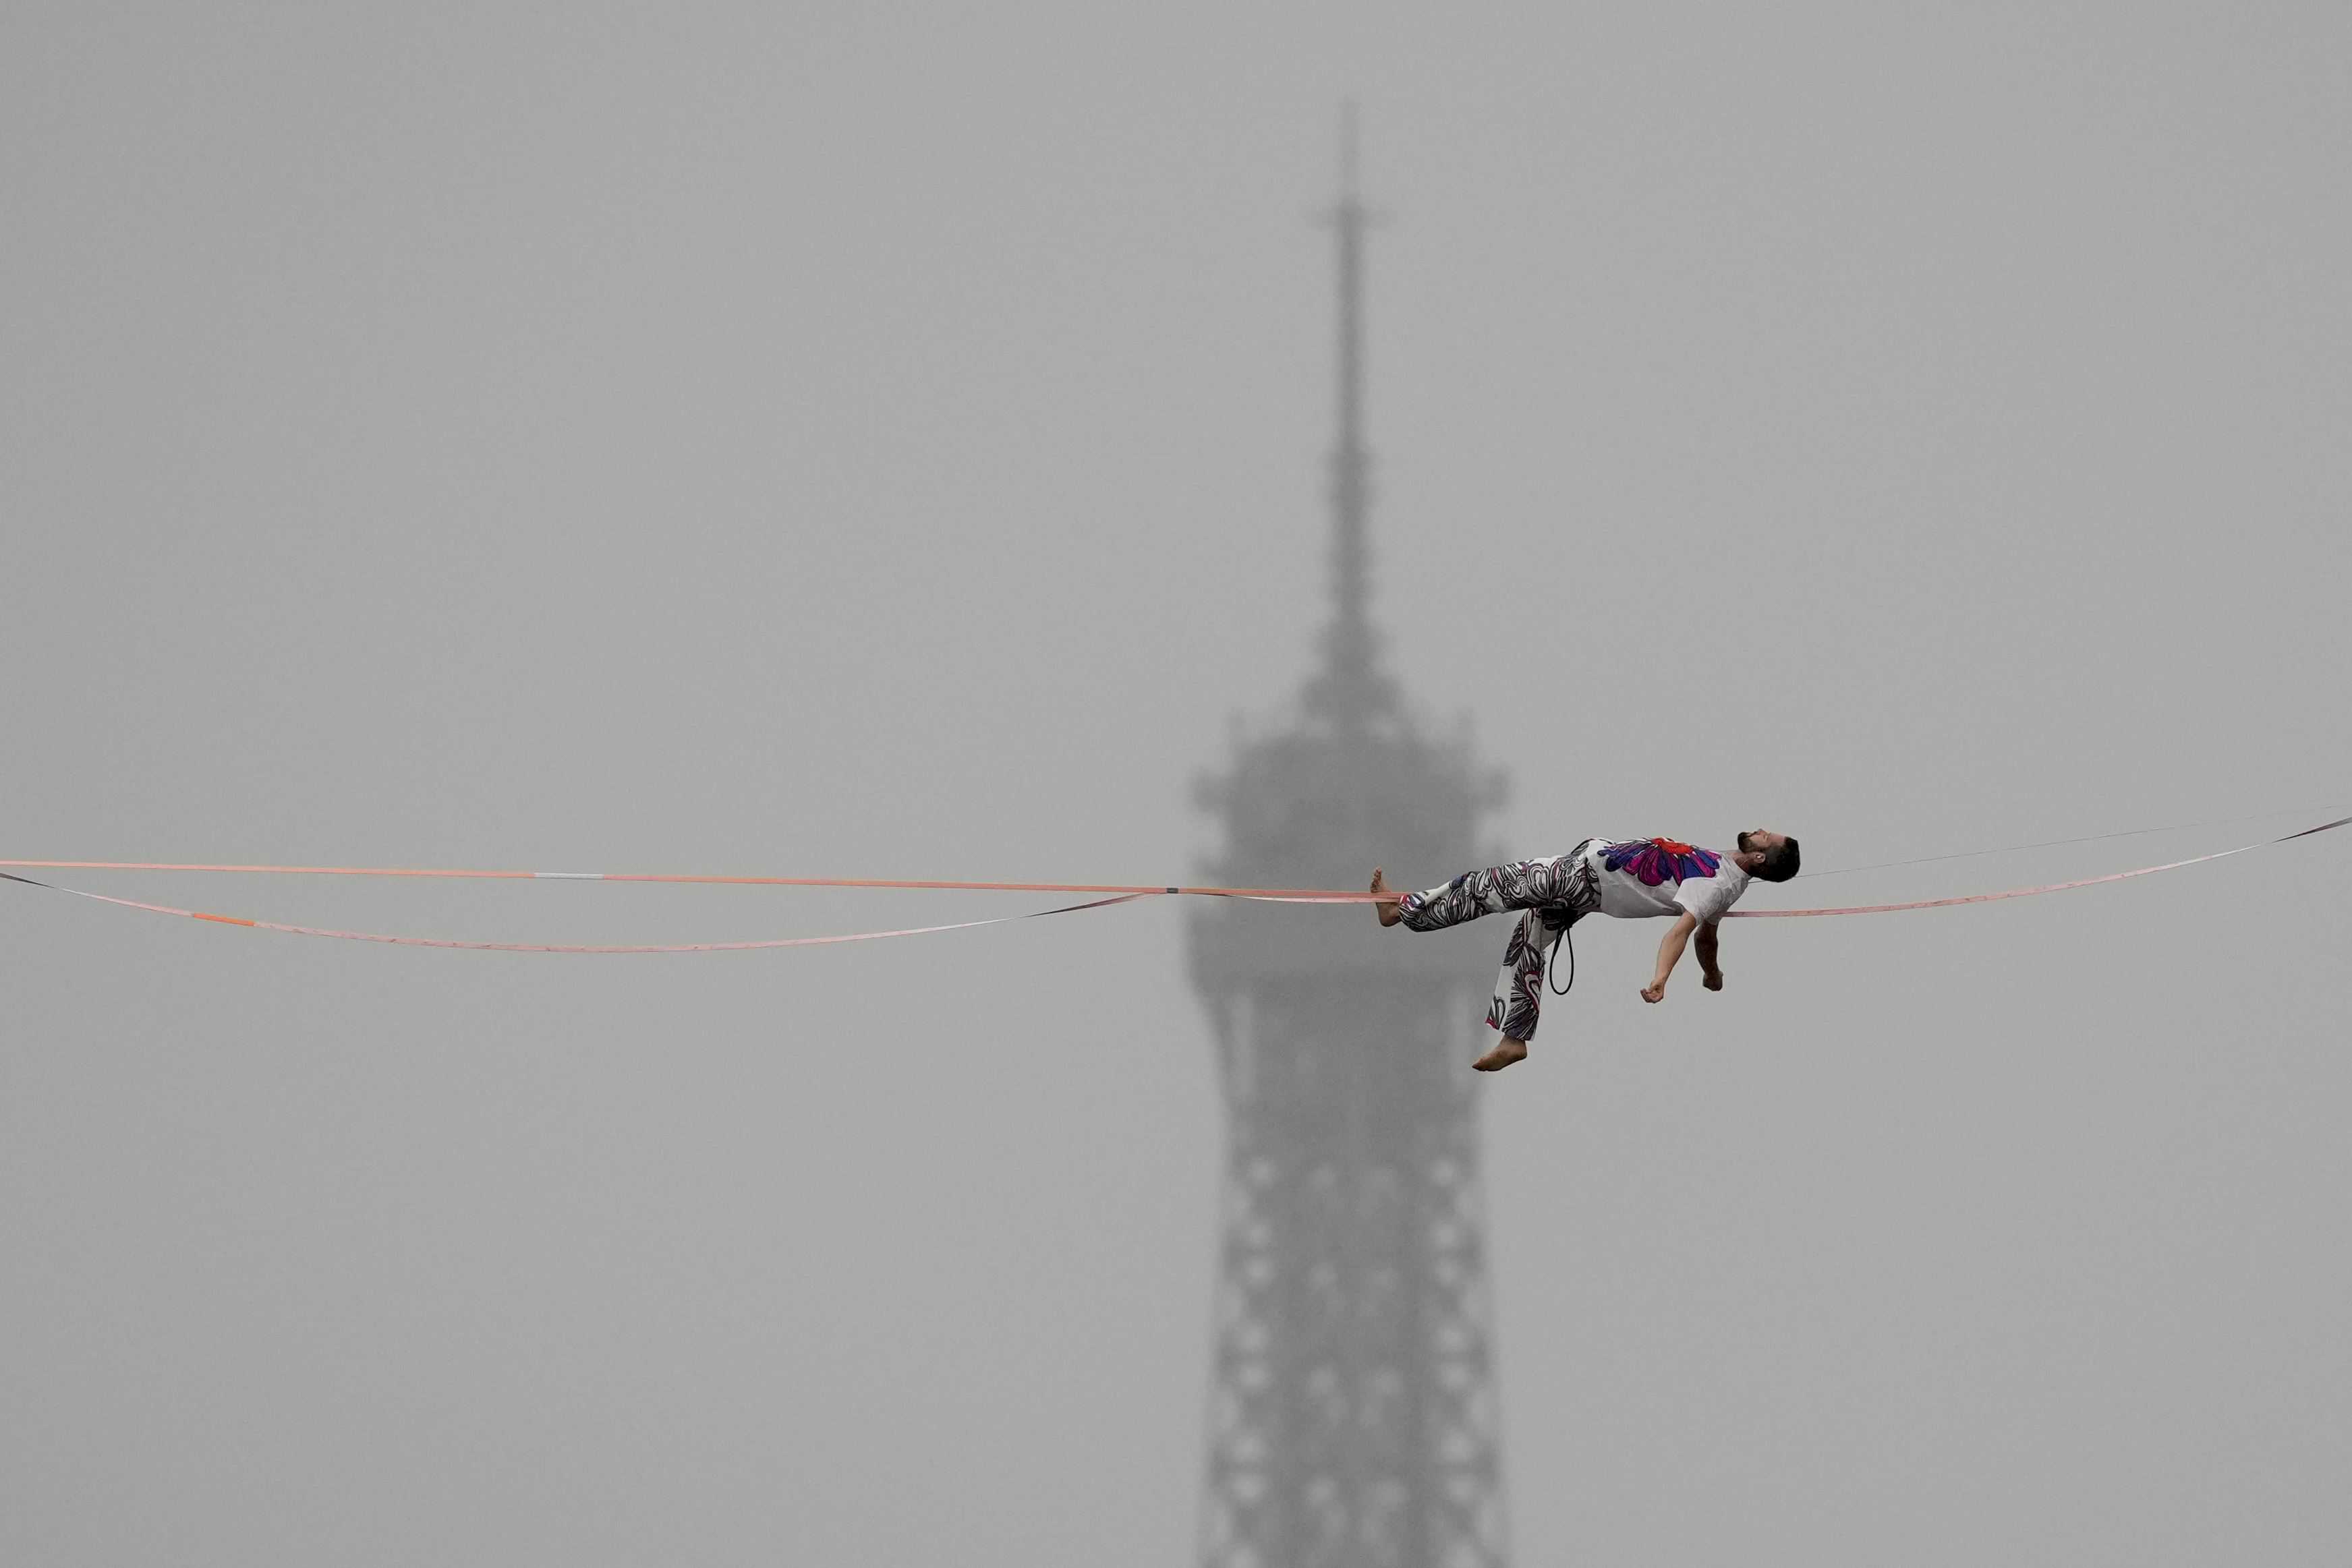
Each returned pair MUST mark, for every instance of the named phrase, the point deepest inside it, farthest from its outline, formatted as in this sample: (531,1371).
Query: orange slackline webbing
(1119,894)
(561,946)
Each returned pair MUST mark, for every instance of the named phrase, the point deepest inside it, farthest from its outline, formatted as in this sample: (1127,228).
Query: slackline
(1113,894)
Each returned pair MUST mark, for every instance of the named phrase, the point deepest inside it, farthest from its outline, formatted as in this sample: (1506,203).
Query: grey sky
(788,439)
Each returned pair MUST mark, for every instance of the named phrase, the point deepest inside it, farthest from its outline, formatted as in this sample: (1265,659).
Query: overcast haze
(805,440)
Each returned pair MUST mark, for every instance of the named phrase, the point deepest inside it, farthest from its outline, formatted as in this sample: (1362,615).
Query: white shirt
(1683,886)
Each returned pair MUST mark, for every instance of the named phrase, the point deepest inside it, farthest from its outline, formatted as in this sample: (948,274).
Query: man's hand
(1712,970)
(1656,991)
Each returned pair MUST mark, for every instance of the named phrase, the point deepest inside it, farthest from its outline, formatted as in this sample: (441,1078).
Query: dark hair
(1779,861)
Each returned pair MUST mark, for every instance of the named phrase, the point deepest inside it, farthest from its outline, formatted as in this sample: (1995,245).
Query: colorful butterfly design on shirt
(1658,860)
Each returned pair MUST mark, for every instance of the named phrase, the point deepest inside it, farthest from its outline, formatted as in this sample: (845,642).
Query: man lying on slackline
(1632,881)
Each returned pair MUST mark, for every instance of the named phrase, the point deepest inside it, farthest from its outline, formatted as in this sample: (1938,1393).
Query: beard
(1745,844)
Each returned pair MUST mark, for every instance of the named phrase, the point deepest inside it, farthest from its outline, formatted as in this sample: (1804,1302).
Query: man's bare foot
(1507,1050)
(1386,908)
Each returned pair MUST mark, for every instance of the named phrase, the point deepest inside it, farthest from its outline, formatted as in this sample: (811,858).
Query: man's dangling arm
(1670,952)
(1712,970)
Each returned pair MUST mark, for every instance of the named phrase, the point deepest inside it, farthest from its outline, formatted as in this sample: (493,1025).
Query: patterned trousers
(1555,893)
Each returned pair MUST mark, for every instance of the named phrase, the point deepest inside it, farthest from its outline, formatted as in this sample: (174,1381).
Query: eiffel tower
(1352,1417)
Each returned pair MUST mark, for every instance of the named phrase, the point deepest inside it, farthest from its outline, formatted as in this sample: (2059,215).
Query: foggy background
(805,440)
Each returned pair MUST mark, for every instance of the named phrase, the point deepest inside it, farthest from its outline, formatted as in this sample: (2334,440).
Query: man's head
(1774,854)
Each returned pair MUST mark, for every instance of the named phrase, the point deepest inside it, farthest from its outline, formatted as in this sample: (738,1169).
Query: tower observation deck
(1352,1416)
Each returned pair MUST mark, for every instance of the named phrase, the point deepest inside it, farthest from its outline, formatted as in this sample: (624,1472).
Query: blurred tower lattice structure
(1352,1412)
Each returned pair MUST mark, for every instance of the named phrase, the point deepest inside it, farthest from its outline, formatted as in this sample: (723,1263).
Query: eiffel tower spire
(1350,690)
